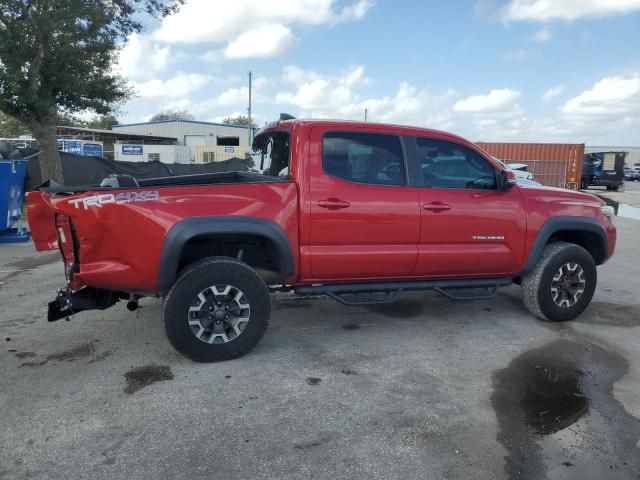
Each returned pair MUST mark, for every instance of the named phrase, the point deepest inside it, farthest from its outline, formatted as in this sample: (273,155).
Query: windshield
(271,153)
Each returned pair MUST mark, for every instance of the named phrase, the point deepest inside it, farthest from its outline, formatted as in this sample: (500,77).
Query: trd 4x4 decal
(106,198)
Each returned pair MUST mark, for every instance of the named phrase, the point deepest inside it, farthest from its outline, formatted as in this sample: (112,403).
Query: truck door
(364,220)
(468,226)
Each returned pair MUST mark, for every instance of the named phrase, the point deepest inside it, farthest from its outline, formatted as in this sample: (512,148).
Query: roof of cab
(346,124)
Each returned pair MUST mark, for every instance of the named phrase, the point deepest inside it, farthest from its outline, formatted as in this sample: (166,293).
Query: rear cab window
(367,158)
(271,153)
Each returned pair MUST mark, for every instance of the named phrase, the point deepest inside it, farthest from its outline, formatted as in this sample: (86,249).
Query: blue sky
(503,70)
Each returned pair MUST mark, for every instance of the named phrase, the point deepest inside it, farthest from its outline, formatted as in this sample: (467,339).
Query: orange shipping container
(552,164)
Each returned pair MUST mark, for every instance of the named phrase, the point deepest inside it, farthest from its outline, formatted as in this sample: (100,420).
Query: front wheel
(562,283)
(218,309)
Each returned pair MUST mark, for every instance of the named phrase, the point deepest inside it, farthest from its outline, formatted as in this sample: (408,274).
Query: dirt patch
(313,381)
(555,405)
(22,355)
(613,314)
(101,356)
(292,304)
(81,351)
(350,326)
(141,377)
(35,261)
(32,364)
(317,442)
(400,309)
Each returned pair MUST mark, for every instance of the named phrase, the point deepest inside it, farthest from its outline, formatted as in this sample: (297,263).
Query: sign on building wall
(92,149)
(132,149)
(229,149)
(70,146)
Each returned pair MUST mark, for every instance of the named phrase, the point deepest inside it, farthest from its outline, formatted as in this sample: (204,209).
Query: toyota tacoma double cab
(357,211)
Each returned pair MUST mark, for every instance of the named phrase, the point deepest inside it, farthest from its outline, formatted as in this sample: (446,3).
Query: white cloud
(610,98)
(547,10)
(338,96)
(496,101)
(177,86)
(496,114)
(552,93)
(248,28)
(141,58)
(607,113)
(542,36)
(322,94)
(265,41)
(233,96)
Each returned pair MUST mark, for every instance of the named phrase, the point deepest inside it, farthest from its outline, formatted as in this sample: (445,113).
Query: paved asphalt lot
(424,388)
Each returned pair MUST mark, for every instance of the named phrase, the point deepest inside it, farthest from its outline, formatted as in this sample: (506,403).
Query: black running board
(378,293)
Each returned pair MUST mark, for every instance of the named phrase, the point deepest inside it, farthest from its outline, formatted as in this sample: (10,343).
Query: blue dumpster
(12,226)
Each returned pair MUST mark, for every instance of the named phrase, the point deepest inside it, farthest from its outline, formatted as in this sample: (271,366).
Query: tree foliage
(11,128)
(104,122)
(239,120)
(172,115)
(56,55)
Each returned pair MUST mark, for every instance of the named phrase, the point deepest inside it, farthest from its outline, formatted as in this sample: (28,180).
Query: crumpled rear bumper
(68,303)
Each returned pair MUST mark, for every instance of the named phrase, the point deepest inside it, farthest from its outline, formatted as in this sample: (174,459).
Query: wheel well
(256,251)
(590,241)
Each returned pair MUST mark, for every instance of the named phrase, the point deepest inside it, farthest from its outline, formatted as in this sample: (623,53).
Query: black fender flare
(558,224)
(185,230)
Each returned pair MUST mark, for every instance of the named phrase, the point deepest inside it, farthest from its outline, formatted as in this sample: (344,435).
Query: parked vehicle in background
(631,174)
(603,169)
(357,211)
(519,170)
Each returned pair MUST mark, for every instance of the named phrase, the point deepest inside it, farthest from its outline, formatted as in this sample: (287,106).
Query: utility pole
(249,113)
(365,114)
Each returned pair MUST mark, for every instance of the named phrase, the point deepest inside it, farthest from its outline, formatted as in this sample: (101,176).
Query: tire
(538,286)
(191,308)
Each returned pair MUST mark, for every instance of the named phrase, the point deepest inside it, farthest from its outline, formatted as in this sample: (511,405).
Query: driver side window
(449,165)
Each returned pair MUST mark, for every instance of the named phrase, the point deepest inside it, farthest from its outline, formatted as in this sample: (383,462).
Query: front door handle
(436,206)
(333,204)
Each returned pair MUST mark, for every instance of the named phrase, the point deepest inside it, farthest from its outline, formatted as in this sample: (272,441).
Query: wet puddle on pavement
(558,417)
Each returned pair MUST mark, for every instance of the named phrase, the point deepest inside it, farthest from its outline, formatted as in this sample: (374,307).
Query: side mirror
(506,180)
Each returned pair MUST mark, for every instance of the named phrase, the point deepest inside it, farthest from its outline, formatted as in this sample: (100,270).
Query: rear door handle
(333,204)
(436,206)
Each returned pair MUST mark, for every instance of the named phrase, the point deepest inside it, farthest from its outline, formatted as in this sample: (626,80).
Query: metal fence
(551,173)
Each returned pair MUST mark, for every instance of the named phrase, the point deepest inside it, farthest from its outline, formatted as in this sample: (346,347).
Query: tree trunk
(50,164)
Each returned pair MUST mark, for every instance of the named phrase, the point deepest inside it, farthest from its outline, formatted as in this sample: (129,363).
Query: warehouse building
(105,143)
(196,142)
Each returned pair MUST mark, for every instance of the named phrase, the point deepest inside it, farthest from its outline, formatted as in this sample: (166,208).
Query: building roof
(181,121)
(82,133)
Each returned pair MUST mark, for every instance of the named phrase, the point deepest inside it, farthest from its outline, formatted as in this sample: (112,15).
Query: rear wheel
(562,283)
(217,310)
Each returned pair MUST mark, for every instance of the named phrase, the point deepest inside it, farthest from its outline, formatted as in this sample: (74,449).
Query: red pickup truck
(357,211)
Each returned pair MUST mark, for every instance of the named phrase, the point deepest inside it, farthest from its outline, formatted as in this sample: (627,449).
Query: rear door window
(364,158)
